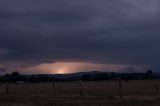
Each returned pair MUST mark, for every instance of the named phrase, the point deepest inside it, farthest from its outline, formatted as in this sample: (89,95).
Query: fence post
(7,89)
(53,88)
(157,88)
(81,88)
(120,88)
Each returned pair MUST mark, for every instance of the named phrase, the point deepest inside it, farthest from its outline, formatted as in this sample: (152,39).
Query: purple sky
(102,33)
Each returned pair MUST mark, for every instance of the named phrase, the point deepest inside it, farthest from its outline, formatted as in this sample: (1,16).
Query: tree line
(15,77)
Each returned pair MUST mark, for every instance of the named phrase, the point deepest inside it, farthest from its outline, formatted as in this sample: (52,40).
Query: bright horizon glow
(60,71)
(73,67)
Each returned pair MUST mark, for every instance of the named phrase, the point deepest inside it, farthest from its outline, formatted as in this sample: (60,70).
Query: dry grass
(96,93)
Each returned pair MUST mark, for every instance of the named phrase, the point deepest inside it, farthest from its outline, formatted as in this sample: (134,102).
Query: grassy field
(95,93)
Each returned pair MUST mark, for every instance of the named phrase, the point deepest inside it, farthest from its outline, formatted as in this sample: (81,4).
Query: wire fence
(116,88)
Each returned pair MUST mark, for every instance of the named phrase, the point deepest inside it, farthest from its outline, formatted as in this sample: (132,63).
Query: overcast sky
(96,32)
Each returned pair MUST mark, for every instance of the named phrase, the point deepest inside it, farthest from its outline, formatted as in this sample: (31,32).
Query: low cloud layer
(124,32)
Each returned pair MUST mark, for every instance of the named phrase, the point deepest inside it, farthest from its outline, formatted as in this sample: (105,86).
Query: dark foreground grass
(47,100)
(96,93)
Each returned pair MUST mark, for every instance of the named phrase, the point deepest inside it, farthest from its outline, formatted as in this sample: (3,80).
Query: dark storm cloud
(106,31)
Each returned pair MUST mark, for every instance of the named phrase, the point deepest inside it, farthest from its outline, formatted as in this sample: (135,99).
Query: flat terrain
(95,93)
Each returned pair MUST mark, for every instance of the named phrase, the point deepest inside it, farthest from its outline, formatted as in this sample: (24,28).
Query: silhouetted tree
(15,76)
(148,74)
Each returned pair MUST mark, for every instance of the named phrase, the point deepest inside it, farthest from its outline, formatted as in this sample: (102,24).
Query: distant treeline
(16,77)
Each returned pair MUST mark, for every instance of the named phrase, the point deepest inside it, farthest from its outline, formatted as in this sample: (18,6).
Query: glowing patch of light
(60,71)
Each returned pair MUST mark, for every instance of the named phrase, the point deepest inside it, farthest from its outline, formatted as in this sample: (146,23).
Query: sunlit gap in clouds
(72,67)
